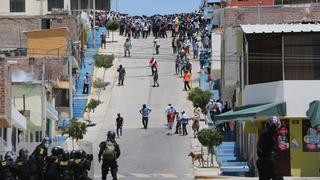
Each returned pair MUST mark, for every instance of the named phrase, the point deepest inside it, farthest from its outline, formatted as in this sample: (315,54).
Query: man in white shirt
(156,43)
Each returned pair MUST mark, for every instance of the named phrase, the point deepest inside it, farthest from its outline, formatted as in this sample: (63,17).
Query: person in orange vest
(186,80)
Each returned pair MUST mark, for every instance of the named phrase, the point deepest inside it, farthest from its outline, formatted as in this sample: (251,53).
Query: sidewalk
(80,100)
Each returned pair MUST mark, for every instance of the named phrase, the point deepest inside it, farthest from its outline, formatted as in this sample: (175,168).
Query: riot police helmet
(9,156)
(65,155)
(23,153)
(57,151)
(83,154)
(111,135)
(273,123)
(73,154)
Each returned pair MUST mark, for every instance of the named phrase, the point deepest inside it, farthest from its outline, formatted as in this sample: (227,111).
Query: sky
(150,7)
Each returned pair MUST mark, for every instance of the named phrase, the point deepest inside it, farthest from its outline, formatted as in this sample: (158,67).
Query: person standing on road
(155,77)
(127,47)
(178,125)
(122,74)
(119,124)
(86,80)
(109,153)
(103,40)
(145,111)
(184,122)
(196,120)
(170,112)
(153,65)
(268,152)
(156,44)
(186,80)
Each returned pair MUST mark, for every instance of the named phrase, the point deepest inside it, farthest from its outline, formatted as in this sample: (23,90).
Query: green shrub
(199,97)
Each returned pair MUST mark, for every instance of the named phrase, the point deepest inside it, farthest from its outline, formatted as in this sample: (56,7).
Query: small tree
(103,61)
(91,106)
(100,84)
(209,138)
(112,26)
(199,97)
(75,130)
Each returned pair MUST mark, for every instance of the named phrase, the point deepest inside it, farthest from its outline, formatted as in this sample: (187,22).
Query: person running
(109,153)
(184,122)
(119,124)
(145,111)
(186,80)
(268,152)
(127,47)
(122,73)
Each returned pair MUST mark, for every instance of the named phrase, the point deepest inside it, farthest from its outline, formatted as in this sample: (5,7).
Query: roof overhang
(279,28)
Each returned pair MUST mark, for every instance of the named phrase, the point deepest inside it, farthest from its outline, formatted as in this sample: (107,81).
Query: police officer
(64,167)
(7,167)
(39,160)
(52,165)
(268,152)
(22,165)
(109,153)
(80,165)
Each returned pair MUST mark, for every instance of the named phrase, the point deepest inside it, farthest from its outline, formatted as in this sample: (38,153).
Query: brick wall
(276,15)
(5,101)
(53,70)
(12,28)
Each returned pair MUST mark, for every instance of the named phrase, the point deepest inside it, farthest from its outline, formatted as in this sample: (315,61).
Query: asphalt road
(146,154)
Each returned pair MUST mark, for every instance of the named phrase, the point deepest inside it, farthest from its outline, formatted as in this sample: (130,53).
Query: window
(55,4)
(45,23)
(17,6)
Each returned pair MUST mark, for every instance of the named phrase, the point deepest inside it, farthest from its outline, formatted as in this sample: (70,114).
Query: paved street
(145,153)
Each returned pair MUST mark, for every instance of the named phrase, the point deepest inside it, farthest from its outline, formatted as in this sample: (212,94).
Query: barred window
(17,5)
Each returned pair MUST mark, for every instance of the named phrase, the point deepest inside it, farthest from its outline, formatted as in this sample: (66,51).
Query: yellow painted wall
(304,164)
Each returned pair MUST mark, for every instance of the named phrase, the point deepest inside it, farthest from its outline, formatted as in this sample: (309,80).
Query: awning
(279,28)
(313,113)
(253,111)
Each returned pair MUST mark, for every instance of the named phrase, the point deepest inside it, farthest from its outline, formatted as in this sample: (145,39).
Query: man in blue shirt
(145,115)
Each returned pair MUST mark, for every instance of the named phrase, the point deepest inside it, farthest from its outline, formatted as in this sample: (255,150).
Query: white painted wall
(32,7)
(216,51)
(297,94)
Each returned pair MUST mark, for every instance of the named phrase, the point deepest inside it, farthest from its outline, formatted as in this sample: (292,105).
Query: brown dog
(196,157)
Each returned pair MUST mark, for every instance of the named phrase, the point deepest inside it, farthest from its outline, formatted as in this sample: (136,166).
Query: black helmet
(65,155)
(83,154)
(273,123)
(57,151)
(73,154)
(111,135)
(23,153)
(9,156)
(46,140)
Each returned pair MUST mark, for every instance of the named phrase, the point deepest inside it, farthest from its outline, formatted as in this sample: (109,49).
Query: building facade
(43,7)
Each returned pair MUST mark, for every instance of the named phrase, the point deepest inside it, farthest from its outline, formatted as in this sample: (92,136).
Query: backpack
(109,152)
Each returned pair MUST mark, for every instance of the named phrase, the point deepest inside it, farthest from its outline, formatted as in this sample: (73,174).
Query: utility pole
(44,101)
(70,79)
(94,23)
(117,6)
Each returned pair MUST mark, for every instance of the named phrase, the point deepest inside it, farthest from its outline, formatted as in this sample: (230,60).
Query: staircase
(80,100)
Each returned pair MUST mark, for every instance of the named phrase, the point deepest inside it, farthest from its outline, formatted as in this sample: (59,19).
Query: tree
(75,130)
(103,61)
(84,35)
(91,106)
(112,26)
(209,138)
(199,97)
(100,84)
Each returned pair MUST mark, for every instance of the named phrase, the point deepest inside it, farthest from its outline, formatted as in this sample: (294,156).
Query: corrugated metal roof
(280,28)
